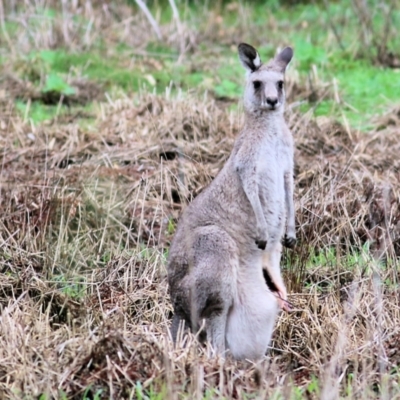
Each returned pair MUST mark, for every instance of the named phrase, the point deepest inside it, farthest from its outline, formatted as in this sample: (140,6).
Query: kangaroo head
(264,90)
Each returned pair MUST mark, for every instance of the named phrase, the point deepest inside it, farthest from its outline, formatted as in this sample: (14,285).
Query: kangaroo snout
(272,101)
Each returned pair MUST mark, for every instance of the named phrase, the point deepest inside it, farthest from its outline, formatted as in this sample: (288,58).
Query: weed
(56,84)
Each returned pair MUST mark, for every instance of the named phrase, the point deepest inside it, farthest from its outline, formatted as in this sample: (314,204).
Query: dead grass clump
(313,90)
(7,112)
(348,188)
(190,137)
(306,338)
(124,284)
(116,363)
(185,124)
(16,88)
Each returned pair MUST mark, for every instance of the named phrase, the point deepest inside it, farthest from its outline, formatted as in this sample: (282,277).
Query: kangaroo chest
(272,164)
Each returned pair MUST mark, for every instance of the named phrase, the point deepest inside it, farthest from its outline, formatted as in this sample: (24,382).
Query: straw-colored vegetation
(107,132)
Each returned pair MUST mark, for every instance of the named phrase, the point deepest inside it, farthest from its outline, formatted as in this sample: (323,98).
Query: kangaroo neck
(263,120)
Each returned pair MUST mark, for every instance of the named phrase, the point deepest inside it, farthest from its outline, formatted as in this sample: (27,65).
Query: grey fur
(233,230)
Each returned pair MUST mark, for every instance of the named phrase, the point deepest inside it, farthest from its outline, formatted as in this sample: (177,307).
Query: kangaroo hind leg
(214,282)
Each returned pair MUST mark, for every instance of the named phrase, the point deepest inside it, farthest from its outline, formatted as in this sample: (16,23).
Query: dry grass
(87,214)
(86,217)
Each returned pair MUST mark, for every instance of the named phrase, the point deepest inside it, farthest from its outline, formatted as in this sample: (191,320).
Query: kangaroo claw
(289,242)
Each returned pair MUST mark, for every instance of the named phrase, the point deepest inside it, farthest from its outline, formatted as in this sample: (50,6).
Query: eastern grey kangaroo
(228,240)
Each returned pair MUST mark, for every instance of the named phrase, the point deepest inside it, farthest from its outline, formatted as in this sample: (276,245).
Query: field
(110,125)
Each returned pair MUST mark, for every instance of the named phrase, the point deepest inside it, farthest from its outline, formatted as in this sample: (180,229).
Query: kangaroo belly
(250,322)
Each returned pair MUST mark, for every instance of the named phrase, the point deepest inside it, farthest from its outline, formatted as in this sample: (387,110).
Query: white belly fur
(251,321)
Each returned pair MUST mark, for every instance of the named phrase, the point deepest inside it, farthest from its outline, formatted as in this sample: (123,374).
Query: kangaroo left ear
(283,58)
(249,57)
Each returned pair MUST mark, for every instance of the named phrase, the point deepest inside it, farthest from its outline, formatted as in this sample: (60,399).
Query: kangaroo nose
(272,101)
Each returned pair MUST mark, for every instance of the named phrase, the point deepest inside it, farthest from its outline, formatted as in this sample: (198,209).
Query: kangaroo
(228,242)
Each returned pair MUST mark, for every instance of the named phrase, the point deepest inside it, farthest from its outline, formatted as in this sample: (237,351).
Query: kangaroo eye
(257,84)
(280,84)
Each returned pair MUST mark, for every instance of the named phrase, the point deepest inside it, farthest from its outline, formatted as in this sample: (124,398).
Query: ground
(107,133)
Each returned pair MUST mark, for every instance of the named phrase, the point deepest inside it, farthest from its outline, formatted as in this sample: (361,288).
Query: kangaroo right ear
(284,58)
(249,57)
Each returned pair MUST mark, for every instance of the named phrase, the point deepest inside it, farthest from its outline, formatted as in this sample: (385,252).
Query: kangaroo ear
(283,58)
(249,57)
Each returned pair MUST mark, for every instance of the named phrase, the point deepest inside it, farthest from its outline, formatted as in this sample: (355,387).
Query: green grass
(94,65)
(368,89)
(364,88)
(38,112)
